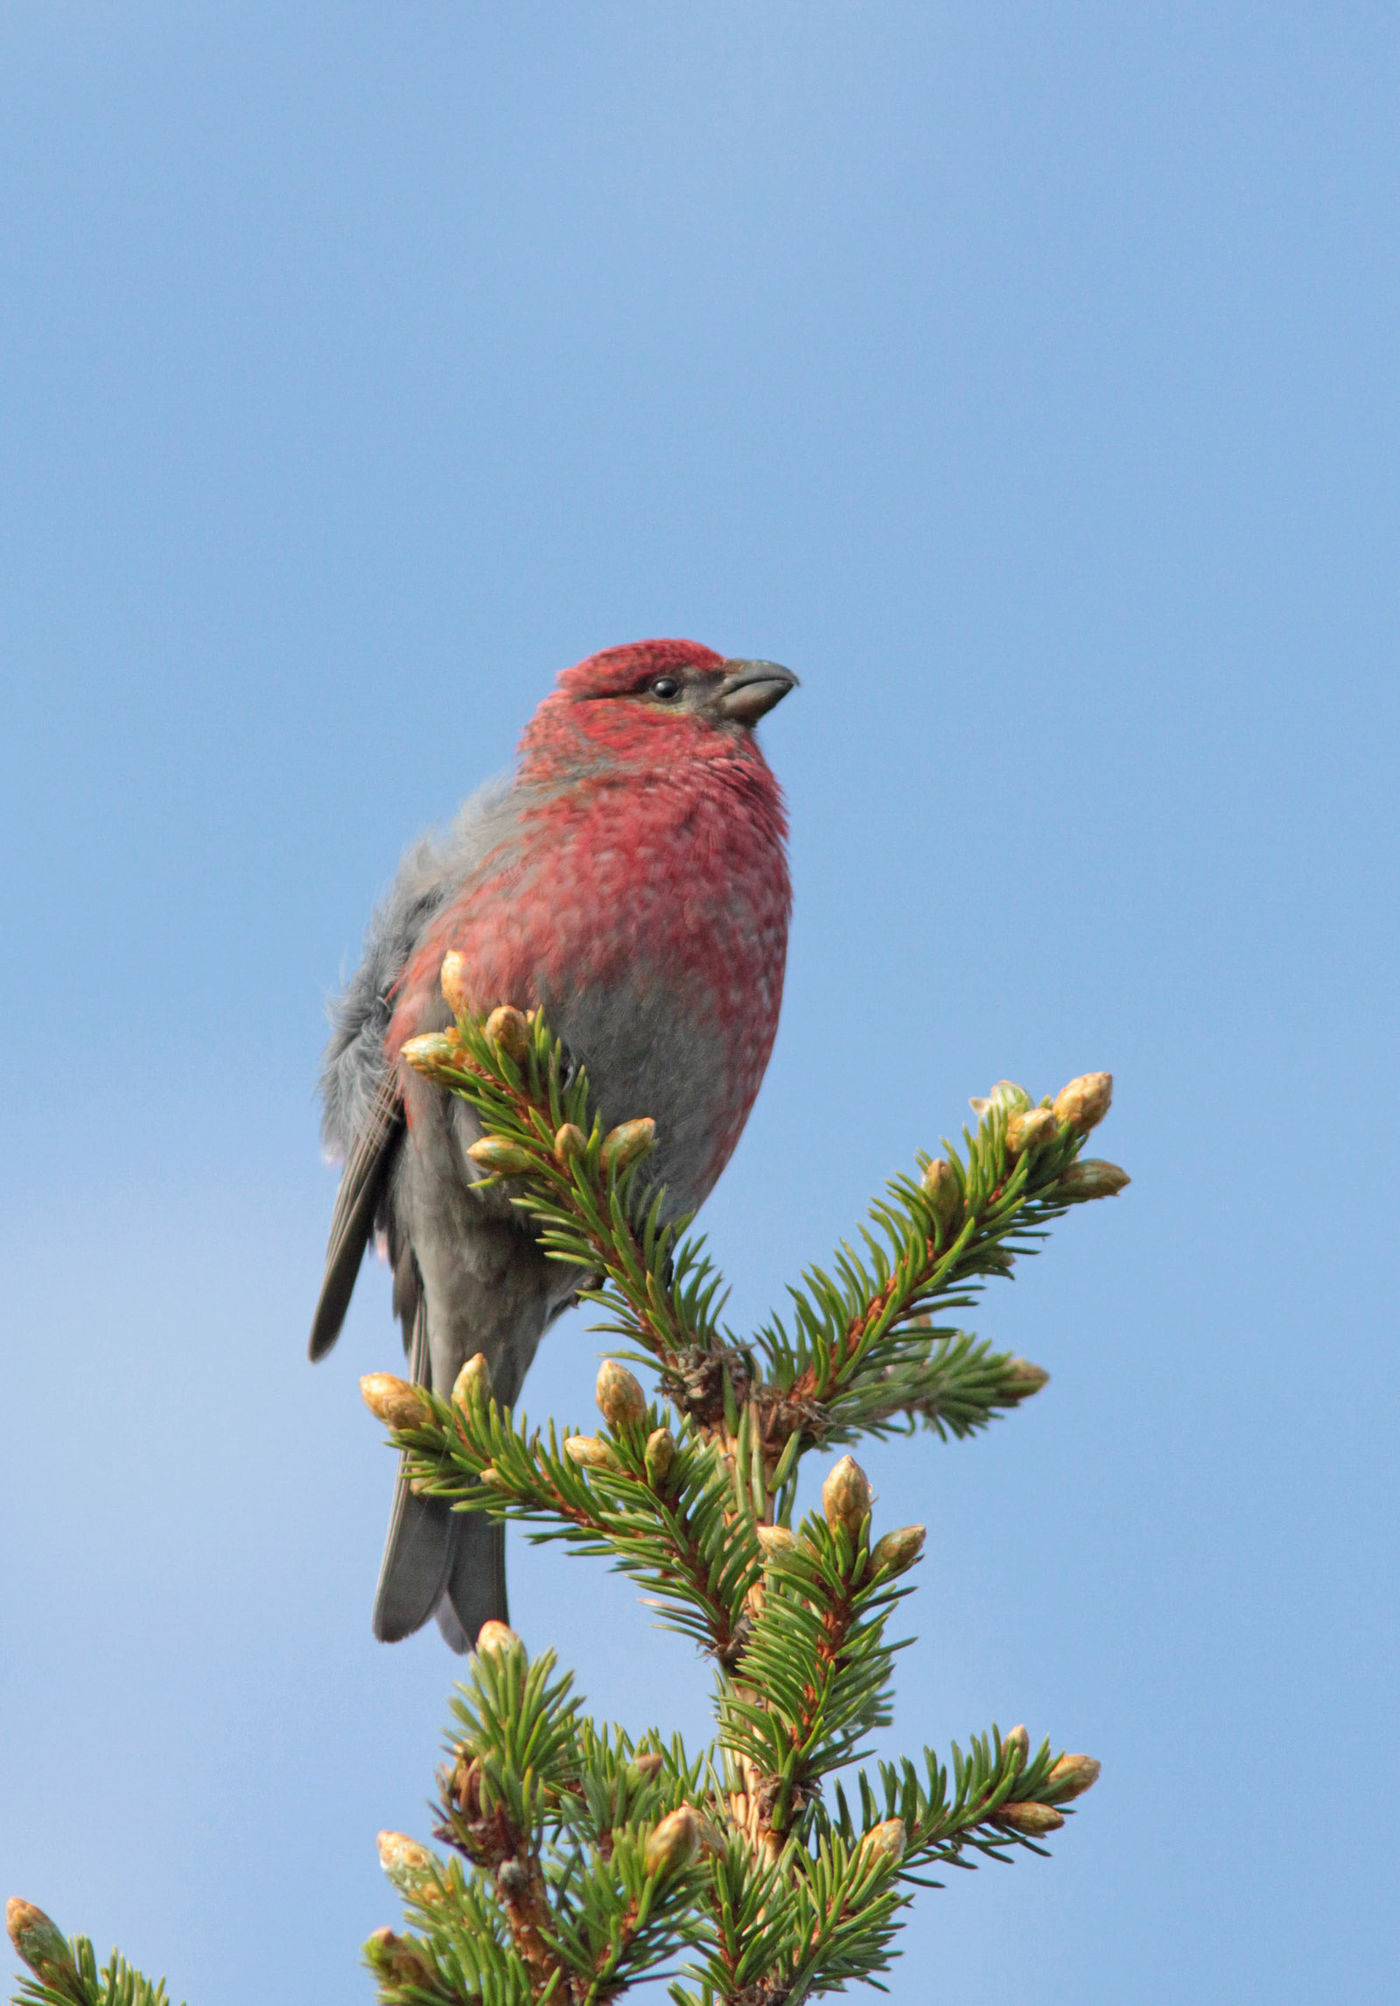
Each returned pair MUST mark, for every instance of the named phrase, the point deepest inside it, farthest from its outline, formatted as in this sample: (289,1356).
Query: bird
(628,879)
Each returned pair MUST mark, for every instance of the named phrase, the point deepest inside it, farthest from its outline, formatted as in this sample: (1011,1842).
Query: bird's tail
(437,1561)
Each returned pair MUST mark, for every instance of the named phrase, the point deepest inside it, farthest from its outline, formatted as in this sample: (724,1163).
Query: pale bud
(775,1540)
(589,1453)
(1091,1177)
(398,1959)
(846,1496)
(473,1382)
(1005,1094)
(1084,1102)
(1072,1775)
(393,1401)
(454,983)
(406,1863)
(569,1144)
(434,1054)
(506,1027)
(1026,1378)
(1018,1745)
(1031,1130)
(943,1191)
(897,1551)
(660,1456)
(884,1842)
(642,1768)
(493,1639)
(1035,1820)
(628,1144)
(38,1940)
(493,1479)
(674,1843)
(621,1401)
(499,1158)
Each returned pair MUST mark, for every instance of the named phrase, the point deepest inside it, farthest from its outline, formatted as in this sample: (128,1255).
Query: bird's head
(657,699)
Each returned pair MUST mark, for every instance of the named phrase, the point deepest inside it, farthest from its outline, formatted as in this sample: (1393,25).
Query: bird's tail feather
(417,1557)
(475,1592)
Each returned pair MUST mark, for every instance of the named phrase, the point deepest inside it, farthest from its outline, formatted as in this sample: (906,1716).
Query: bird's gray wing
(363,1187)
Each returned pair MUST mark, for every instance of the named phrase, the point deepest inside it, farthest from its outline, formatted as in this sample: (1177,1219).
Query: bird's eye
(667,688)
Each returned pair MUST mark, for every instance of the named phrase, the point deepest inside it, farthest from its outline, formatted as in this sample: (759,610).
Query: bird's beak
(750,690)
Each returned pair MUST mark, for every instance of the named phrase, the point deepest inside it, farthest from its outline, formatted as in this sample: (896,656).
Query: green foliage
(768,1869)
(781,1891)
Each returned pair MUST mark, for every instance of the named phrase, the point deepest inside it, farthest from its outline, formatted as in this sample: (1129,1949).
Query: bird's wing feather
(357,1204)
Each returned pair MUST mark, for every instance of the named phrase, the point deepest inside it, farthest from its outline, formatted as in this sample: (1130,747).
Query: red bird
(630,880)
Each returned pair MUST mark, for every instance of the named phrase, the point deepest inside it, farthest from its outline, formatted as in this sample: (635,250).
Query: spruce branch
(771,1867)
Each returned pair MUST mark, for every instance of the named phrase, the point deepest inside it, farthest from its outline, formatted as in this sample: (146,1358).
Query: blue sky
(1026,379)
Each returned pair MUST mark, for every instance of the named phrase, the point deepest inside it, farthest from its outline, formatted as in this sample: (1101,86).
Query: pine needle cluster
(771,1867)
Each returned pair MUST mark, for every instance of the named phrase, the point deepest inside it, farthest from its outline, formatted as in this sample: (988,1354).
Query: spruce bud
(589,1453)
(846,1496)
(621,1401)
(1025,1378)
(454,983)
(39,1941)
(645,1766)
(473,1382)
(435,1054)
(628,1144)
(394,1402)
(1031,1130)
(884,1842)
(569,1144)
(1018,1741)
(660,1455)
(1005,1094)
(897,1551)
(1035,1820)
(1083,1104)
(406,1863)
(397,1959)
(506,1027)
(1072,1775)
(499,1158)
(1091,1177)
(674,1842)
(775,1540)
(943,1191)
(494,1639)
